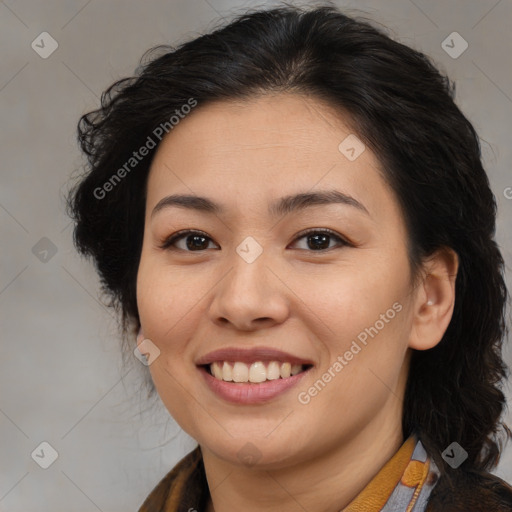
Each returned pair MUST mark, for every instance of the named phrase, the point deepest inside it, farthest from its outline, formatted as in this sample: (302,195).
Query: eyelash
(168,242)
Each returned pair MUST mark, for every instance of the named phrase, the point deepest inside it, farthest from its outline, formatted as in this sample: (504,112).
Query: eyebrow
(282,206)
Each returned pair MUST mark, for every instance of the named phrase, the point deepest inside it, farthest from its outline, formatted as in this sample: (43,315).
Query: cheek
(177,393)
(170,308)
(368,316)
(157,302)
(161,296)
(350,300)
(166,312)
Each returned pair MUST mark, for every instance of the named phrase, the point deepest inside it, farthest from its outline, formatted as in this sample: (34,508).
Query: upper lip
(250,355)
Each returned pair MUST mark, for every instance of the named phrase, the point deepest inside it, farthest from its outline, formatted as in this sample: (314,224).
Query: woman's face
(255,287)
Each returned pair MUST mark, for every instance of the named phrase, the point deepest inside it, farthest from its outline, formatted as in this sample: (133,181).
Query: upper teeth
(256,372)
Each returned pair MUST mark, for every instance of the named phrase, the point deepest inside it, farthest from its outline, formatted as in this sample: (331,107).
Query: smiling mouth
(257,372)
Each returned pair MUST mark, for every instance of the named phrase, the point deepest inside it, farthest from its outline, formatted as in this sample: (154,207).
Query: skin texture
(311,303)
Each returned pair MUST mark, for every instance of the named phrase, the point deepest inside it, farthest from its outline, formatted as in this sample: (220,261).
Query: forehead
(295,127)
(249,151)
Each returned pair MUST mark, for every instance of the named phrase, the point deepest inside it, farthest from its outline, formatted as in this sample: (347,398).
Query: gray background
(61,379)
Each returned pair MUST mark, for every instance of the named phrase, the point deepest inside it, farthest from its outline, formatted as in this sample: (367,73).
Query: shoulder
(471,491)
(184,486)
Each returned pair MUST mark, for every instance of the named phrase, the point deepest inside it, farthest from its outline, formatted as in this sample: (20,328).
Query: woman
(292,216)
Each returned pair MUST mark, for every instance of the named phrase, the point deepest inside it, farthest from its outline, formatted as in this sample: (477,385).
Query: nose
(250,296)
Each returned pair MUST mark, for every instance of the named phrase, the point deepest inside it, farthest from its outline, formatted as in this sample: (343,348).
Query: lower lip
(248,392)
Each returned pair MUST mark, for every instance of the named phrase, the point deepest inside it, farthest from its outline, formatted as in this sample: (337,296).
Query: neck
(327,482)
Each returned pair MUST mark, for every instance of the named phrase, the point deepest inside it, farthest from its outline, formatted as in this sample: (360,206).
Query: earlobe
(435,300)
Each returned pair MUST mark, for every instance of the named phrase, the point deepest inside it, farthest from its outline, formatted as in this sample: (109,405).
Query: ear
(140,336)
(435,299)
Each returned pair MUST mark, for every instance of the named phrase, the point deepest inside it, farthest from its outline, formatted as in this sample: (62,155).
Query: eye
(317,240)
(194,241)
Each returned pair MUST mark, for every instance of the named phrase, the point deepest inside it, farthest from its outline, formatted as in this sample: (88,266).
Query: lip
(250,355)
(247,392)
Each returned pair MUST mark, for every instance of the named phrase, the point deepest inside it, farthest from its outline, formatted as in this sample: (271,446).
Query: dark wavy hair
(403,109)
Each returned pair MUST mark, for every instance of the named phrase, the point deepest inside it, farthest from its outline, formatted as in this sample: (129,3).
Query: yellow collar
(404,482)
